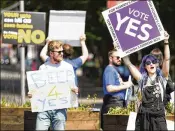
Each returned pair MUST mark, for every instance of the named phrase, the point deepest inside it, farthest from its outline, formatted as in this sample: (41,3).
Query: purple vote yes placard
(133,25)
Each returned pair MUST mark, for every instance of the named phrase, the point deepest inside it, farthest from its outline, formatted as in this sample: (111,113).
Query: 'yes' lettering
(133,24)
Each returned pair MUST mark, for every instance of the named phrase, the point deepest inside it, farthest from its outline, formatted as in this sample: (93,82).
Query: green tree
(99,41)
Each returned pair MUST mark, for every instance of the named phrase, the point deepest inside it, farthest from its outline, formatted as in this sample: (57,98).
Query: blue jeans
(56,118)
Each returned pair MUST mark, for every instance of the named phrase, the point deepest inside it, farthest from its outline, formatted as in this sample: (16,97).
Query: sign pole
(22,61)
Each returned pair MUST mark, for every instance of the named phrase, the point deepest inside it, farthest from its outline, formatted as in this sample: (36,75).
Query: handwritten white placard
(51,89)
(67,26)
(170,125)
(172,97)
(131,121)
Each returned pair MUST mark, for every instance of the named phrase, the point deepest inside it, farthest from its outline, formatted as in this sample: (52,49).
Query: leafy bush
(170,108)
(5,103)
(131,107)
(122,111)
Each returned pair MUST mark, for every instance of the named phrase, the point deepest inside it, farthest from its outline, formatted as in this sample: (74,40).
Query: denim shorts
(54,118)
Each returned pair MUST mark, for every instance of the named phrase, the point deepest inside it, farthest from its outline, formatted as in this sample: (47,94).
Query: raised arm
(134,71)
(43,53)
(166,60)
(84,55)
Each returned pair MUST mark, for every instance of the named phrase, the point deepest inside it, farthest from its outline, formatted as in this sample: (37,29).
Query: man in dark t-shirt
(113,86)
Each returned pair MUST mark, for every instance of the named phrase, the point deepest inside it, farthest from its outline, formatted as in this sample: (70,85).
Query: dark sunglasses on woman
(149,62)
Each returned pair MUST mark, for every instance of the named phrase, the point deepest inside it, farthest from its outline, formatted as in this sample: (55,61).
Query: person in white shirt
(55,117)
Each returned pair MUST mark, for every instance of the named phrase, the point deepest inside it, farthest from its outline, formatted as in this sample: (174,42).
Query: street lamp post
(22,61)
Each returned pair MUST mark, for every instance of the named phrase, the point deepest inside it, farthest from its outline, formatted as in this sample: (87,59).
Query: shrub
(170,108)
(122,111)
(131,107)
(86,107)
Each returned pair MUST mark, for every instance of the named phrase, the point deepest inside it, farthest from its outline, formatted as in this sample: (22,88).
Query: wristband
(166,43)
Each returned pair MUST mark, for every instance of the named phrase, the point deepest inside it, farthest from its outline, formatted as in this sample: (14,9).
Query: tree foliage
(99,40)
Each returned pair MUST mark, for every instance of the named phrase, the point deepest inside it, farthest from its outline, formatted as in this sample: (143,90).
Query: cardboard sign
(133,25)
(172,97)
(131,121)
(23,27)
(67,26)
(51,89)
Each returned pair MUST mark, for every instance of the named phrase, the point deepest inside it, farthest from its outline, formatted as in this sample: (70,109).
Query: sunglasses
(117,57)
(149,62)
(59,52)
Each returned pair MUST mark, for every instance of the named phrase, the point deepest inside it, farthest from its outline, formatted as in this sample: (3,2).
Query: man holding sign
(113,86)
(68,52)
(56,116)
